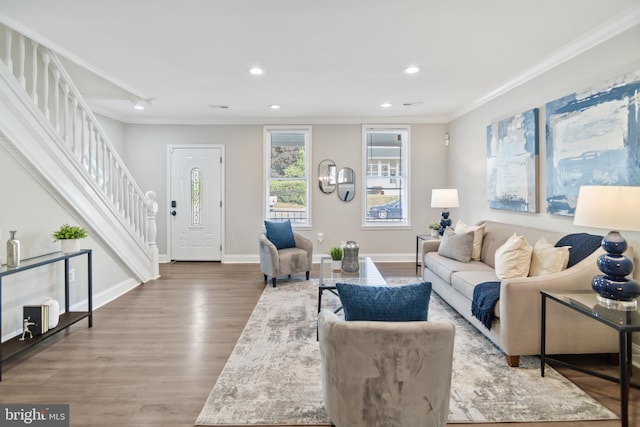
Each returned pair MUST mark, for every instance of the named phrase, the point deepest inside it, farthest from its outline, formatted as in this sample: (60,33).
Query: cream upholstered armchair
(385,373)
(276,262)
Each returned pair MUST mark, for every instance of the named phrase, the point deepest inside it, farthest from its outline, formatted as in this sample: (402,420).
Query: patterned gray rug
(273,374)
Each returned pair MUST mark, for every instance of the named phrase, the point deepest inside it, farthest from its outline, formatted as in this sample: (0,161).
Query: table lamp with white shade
(444,198)
(613,208)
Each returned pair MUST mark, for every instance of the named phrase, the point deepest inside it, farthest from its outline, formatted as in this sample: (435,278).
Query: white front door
(195,203)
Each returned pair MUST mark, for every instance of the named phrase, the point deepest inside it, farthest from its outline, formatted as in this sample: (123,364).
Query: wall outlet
(72,275)
(320,237)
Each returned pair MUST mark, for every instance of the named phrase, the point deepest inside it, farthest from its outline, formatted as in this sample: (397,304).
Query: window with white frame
(288,174)
(386,153)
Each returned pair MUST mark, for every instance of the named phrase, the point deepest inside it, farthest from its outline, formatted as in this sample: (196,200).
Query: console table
(624,322)
(14,346)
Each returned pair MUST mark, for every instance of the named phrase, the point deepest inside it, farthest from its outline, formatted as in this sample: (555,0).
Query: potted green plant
(434,227)
(69,236)
(336,258)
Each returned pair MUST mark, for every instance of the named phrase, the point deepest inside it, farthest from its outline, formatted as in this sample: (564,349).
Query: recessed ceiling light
(274,106)
(412,69)
(412,104)
(385,105)
(140,104)
(219,106)
(256,71)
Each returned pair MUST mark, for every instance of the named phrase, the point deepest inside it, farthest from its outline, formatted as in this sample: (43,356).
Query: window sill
(371,227)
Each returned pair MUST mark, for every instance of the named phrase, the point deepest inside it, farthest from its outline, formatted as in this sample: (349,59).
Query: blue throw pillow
(280,234)
(385,303)
(582,245)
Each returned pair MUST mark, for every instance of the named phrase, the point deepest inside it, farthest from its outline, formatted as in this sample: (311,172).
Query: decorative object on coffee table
(612,207)
(69,236)
(13,251)
(336,258)
(350,263)
(444,198)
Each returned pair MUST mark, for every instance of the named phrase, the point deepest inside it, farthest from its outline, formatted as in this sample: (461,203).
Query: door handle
(173,213)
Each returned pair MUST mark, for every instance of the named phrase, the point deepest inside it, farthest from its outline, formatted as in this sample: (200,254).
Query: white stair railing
(41,74)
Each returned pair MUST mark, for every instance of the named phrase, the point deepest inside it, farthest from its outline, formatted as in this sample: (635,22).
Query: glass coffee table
(367,275)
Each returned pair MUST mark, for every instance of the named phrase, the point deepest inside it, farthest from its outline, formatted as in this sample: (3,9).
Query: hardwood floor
(154,354)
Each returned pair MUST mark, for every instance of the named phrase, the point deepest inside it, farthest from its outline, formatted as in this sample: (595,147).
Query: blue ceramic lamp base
(614,289)
(445,221)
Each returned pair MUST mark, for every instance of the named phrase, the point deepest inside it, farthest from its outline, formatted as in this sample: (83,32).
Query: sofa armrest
(430,246)
(520,302)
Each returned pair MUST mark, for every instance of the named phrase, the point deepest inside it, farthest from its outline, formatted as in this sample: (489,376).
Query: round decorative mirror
(327,176)
(346,184)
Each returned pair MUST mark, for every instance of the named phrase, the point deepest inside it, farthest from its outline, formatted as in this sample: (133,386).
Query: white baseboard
(255,258)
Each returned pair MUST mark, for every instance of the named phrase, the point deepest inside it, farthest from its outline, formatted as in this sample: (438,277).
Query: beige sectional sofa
(516,328)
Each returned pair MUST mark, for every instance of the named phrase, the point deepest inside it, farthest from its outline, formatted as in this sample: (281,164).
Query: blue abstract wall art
(593,138)
(512,163)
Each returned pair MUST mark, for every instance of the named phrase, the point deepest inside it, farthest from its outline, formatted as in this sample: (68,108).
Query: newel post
(151,232)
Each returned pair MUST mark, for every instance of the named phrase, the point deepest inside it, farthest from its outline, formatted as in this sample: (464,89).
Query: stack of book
(39,315)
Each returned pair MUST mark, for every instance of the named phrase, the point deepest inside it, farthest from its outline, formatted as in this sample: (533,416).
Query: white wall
(145,155)
(114,130)
(467,164)
(27,207)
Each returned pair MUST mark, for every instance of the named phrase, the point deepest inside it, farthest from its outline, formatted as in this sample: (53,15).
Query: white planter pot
(434,233)
(70,245)
(336,265)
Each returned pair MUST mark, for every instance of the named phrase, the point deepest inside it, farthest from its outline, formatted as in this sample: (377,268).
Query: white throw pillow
(547,259)
(478,235)
(513,258)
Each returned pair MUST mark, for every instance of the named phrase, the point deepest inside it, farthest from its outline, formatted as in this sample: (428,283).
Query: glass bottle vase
(13,251)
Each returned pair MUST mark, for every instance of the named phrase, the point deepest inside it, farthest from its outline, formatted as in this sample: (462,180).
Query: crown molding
(602,33)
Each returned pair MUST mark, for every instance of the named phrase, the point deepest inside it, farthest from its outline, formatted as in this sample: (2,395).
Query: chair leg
(307,275)
(273,282)
(289,276)
(265,279)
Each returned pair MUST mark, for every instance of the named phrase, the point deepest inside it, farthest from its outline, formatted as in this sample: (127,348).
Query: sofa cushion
(465,281)
(444,267)
(547,259)
(513,258)
(405,303)
(478,234)
(582,245)
(456,246)
(280,234)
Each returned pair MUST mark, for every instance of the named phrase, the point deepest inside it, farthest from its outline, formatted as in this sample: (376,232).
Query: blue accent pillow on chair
(406,303)
(280,234)
(582,245)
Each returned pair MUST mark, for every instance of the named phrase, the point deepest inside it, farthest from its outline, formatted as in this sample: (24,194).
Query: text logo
(34,415)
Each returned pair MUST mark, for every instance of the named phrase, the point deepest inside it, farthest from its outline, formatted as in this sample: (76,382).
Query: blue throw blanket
(485,296)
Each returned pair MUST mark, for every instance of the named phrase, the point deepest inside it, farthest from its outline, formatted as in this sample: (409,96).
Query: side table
(624,322)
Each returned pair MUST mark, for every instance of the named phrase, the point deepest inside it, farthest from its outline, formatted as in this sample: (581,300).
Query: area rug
(273,374)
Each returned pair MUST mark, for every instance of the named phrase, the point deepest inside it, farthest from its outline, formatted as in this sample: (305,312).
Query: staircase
(46,124)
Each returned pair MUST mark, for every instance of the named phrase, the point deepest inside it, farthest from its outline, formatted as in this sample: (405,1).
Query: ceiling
(332,61)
